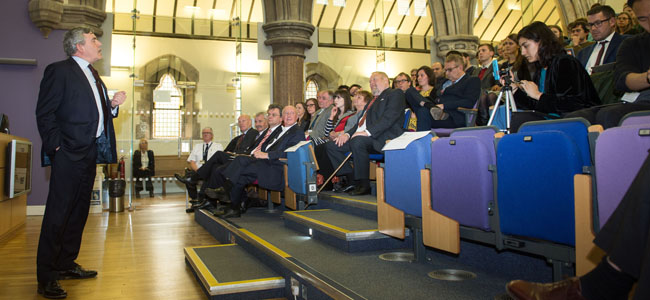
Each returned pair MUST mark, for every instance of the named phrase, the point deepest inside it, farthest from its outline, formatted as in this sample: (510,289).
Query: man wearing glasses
(602,23)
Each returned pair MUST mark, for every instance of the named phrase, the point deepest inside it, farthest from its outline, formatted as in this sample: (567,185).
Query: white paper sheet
(296,146)
(404,140)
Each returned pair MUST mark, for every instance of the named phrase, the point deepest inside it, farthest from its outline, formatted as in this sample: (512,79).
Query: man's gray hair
(73,37)
(263,114)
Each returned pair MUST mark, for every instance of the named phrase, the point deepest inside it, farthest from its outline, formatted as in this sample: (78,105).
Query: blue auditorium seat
(575,128)
(402,175)
(535,184)
(301,171)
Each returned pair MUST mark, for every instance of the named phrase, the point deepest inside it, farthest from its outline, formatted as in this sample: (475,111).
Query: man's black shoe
(205,204)
(200,203)
(186,180)
(77,273)
(215,193)
(358,191)
(189,210)
(231,213)
(51,290)
(348,188)
(195,201)
(219,211)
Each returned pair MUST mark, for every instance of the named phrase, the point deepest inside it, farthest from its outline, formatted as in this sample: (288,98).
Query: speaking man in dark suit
(263,165)
(382,119)
(602,21)
(75,120)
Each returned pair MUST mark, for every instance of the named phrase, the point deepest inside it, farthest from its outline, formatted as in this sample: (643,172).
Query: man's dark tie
(206,147)
(365,113)
(239,140)
(100,89)
(600,53)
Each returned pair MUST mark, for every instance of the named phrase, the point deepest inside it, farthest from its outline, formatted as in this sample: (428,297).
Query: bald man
(263,165)
(237,145)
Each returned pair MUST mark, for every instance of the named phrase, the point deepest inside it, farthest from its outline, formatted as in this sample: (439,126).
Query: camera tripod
(506,91)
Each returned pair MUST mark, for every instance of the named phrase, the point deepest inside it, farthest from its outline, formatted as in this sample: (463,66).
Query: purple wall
(20,38)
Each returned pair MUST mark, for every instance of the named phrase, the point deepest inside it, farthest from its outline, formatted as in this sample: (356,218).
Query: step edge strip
(206,276)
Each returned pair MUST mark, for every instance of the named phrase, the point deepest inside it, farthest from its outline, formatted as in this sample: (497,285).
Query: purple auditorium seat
(461,182)
(636,118)
(620,152)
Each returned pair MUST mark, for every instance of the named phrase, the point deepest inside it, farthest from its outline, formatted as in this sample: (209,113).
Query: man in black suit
(382,119)
(461,90)
(238,145)
(602,21)
(263,165)
(75,120)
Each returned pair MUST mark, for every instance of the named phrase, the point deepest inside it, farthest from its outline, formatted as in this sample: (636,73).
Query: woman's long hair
(549,45)
(347,102)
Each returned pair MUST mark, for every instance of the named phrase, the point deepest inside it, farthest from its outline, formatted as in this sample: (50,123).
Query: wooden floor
(139,254)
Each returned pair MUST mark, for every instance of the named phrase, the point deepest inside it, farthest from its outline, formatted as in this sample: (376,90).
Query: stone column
(288,30)
(453,25)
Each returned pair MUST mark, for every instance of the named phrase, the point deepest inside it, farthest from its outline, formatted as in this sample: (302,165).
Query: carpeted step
(230,272)
(345,231)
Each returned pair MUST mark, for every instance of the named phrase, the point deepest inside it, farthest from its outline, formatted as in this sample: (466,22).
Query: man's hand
(342,139)
(359,133)
(261,155)
(442,106)
(118,99)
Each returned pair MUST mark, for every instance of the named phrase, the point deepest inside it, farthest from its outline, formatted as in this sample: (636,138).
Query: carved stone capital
(288,37)
(55,14)
(463,43)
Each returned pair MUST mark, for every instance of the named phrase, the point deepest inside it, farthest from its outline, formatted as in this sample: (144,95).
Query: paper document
(404,140)
(630,97)
(295,147)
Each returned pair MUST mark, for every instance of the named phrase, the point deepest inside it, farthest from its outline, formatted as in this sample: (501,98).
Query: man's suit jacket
(385,118)
(609,56)
(463,93)
(67,115)
(488,79)
(248,139)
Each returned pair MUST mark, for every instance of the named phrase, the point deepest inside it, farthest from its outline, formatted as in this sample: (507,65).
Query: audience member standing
(74,116)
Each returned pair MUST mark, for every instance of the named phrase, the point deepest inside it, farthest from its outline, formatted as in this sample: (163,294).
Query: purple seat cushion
(620,152)
(461,183)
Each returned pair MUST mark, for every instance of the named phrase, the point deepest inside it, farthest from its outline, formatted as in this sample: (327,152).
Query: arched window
(167,109)
(311,89)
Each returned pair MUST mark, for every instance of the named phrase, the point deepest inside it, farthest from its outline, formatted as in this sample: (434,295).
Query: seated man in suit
(382,119)
(263,165)
(602,20)
(238,145)
(631,74)
(461,90)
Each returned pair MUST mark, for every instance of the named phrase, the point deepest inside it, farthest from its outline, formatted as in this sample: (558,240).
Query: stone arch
(325,76)
(186,76)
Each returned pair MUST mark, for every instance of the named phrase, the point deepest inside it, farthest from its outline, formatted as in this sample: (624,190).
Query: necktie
(363,118)
(239,140)
(100,89)
(206,147)
(600,53)
(266,136)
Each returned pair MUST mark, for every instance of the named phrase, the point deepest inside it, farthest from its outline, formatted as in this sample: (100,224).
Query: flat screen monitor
(18,176)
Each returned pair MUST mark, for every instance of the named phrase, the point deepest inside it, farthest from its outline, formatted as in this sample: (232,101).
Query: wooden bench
(167,166)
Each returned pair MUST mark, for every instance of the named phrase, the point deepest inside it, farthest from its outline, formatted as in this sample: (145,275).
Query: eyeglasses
(311,105)
(272,115)
(451,69)
(598,23)
(402,80)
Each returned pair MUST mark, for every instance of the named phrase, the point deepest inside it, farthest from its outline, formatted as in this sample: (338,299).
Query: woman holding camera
(559,86)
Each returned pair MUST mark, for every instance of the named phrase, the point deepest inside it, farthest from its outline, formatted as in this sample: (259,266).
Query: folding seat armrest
(588,255)
(470,115)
